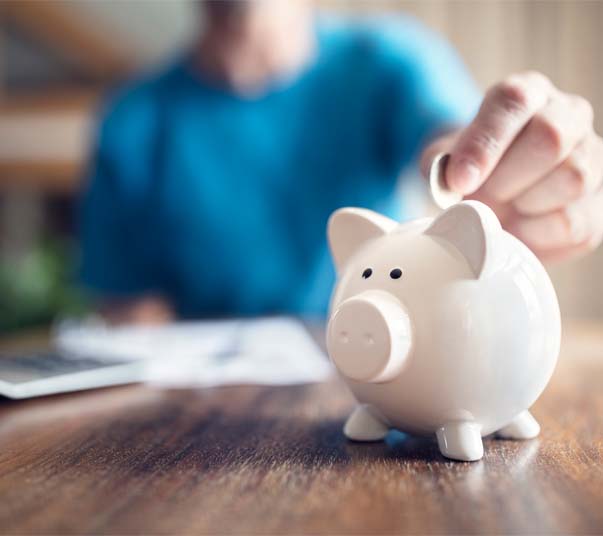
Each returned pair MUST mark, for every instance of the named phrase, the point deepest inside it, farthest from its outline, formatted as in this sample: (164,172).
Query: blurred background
(58,57)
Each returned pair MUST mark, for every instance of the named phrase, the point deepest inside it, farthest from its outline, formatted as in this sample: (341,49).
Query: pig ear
(350,228)
(473,229)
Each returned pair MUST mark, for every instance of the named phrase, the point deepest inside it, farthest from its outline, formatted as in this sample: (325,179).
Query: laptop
(46,372)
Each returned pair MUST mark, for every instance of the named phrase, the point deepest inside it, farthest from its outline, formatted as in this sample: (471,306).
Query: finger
(578,175)
(506,109)
(442,144)
(570,252)
(564,228)
(546,141)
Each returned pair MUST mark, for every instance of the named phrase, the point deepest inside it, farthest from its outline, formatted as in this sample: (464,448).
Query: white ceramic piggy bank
(448,326)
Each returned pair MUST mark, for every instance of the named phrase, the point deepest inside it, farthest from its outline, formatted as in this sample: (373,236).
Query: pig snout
(369,337)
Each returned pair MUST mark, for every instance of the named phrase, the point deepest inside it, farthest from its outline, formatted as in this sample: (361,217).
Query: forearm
(151,310)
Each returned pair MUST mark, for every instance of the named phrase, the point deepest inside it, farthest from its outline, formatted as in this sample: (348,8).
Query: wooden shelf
(91,50)
(45,139)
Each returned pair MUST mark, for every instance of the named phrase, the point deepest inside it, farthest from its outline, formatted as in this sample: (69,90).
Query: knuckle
(595,150)
(576,223)
(566,219)
(576,182)
(511,95)
(539,77)
(547,136)
(576,179)
(480,147)
(585,106)
(595,241)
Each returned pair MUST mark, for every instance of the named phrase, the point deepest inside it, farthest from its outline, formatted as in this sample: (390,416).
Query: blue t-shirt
(220,203)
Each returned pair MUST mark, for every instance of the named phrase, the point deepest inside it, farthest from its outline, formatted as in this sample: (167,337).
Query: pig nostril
(368,338)
(343,337)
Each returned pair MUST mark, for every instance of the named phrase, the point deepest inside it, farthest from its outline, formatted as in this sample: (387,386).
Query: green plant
(38,287)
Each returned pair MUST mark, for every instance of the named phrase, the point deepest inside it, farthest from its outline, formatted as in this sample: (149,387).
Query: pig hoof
(461,441)
(364,425)
(524,426)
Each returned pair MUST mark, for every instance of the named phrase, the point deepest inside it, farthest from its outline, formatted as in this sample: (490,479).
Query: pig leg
(461,440)
(524,426)
(365,424)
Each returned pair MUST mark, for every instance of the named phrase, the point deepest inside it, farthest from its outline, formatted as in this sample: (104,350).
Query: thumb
(442,144)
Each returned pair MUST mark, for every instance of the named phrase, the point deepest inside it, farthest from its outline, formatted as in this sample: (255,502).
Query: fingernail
(464,177)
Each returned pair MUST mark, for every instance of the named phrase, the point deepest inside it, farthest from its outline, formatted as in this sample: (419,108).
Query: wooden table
(273,460)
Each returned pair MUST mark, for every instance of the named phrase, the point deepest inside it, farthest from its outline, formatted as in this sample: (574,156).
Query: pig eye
(396,273)
(367,273)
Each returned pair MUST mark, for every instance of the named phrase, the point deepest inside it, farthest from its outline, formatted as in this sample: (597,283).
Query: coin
(442,196)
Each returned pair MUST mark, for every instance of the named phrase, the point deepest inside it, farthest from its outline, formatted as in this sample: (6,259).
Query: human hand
(142,310)
(532,155)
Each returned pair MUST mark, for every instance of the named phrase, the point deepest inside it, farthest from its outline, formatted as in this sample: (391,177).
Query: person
(213,180)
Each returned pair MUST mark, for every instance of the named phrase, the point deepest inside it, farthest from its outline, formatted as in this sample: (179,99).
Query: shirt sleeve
(427,88)
(115,256)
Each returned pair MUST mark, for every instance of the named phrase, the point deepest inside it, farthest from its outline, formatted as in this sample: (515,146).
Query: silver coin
(442,196)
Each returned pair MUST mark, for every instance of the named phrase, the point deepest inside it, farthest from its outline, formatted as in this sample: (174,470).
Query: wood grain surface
(138,460)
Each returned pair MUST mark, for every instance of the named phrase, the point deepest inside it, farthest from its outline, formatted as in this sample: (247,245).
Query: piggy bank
(447,326)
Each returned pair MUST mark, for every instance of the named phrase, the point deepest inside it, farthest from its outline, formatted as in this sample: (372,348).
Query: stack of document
(273,351)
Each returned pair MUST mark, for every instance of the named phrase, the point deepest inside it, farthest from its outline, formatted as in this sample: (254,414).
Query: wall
(563,40)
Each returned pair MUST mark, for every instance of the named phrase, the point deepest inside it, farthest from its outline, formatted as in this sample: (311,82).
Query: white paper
(271,351)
